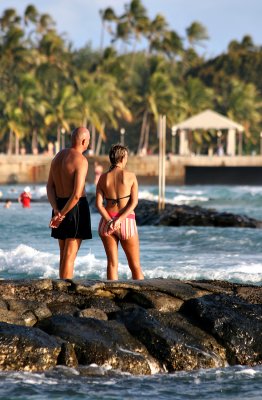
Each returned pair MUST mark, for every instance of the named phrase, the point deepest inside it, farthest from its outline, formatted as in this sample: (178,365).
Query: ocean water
(234,254)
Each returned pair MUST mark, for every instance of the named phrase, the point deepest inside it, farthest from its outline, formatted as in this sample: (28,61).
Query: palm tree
(155,32)
(11,121)
(242,103)
(193,97)
(196,34)
(101,103)
(33,108)
(155,96)
(62,110)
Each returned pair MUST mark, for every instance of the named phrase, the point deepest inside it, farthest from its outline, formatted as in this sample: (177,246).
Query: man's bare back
(65,166)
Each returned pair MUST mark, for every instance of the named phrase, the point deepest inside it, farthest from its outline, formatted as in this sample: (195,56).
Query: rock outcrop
(174,215)
(140,327)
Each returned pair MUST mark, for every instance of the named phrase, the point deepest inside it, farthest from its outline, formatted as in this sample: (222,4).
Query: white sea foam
(191,232)
(247,371)
(147,195)
(182,198)
(25,261)
(198,268)
(39,191)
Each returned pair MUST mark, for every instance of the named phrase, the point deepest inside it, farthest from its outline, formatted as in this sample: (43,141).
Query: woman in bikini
(119,190)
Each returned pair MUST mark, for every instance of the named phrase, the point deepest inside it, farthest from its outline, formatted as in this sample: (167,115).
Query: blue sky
(224,19)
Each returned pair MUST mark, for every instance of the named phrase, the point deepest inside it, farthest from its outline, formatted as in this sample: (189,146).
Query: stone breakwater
(182,215)
(139,327)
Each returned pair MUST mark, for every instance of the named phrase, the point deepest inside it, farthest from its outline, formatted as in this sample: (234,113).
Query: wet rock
(100,342)
(147,213)
(234,323)
(26,349)
(102,303)
(63,308)
(67,355)
(159,301)
(166,345)
(250,294)
(92,313)
(11,317)
(29,318)
(138,327)
(3,305)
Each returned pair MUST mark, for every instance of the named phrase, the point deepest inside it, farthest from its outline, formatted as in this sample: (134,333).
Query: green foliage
(46,87)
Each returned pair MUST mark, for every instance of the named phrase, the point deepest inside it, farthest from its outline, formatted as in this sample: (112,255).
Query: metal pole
(163,160)
(173,141)
(159,128)
(63,137)
(122,136)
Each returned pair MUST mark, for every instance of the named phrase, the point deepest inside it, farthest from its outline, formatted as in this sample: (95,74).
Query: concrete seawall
(179,169)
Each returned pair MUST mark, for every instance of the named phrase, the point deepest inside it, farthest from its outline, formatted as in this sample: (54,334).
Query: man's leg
(69,251)
(61,247)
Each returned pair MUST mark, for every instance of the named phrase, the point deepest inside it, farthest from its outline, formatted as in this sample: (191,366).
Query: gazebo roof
(209,119)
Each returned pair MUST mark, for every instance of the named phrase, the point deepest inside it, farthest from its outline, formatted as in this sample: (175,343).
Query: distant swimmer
(25,197)
(70,220)
(119,189)
(7,203)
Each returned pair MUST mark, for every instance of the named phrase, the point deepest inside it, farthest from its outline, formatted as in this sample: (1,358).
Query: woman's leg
(111,248)
(131,249)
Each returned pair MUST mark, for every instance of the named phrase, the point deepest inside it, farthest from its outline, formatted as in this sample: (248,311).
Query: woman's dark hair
(116,154)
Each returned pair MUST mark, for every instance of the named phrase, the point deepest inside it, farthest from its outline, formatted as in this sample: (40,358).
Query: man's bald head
(79,135)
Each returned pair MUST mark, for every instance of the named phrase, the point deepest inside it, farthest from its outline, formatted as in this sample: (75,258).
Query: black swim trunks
(77,223)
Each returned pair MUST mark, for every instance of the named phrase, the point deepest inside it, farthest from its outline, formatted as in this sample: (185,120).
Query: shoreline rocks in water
(138,327)
(147,213)
(182,215)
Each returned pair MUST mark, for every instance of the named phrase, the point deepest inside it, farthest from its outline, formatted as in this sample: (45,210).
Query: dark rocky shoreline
(139,327)
(182,215)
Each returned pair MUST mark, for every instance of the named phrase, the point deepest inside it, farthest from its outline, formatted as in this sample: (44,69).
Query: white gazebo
(207,120)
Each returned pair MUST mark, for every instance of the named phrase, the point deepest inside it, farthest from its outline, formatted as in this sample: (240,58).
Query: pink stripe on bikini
(130,216)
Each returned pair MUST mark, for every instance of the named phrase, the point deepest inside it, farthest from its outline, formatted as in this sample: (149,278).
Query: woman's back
(116,186)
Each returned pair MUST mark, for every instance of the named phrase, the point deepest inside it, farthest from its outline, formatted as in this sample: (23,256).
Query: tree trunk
(99,143)
(58,139)
(102,38)
(98,146)
(142,132)
(16,145)
(146,142)
(10,142)
(93,138)
(34,143)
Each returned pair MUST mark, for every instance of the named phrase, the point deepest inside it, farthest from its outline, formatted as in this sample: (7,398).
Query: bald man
(70,220)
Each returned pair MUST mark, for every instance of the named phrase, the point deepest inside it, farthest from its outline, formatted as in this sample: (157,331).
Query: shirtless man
(70,220)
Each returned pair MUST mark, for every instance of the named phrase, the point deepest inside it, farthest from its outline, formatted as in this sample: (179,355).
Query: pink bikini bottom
(127,228)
